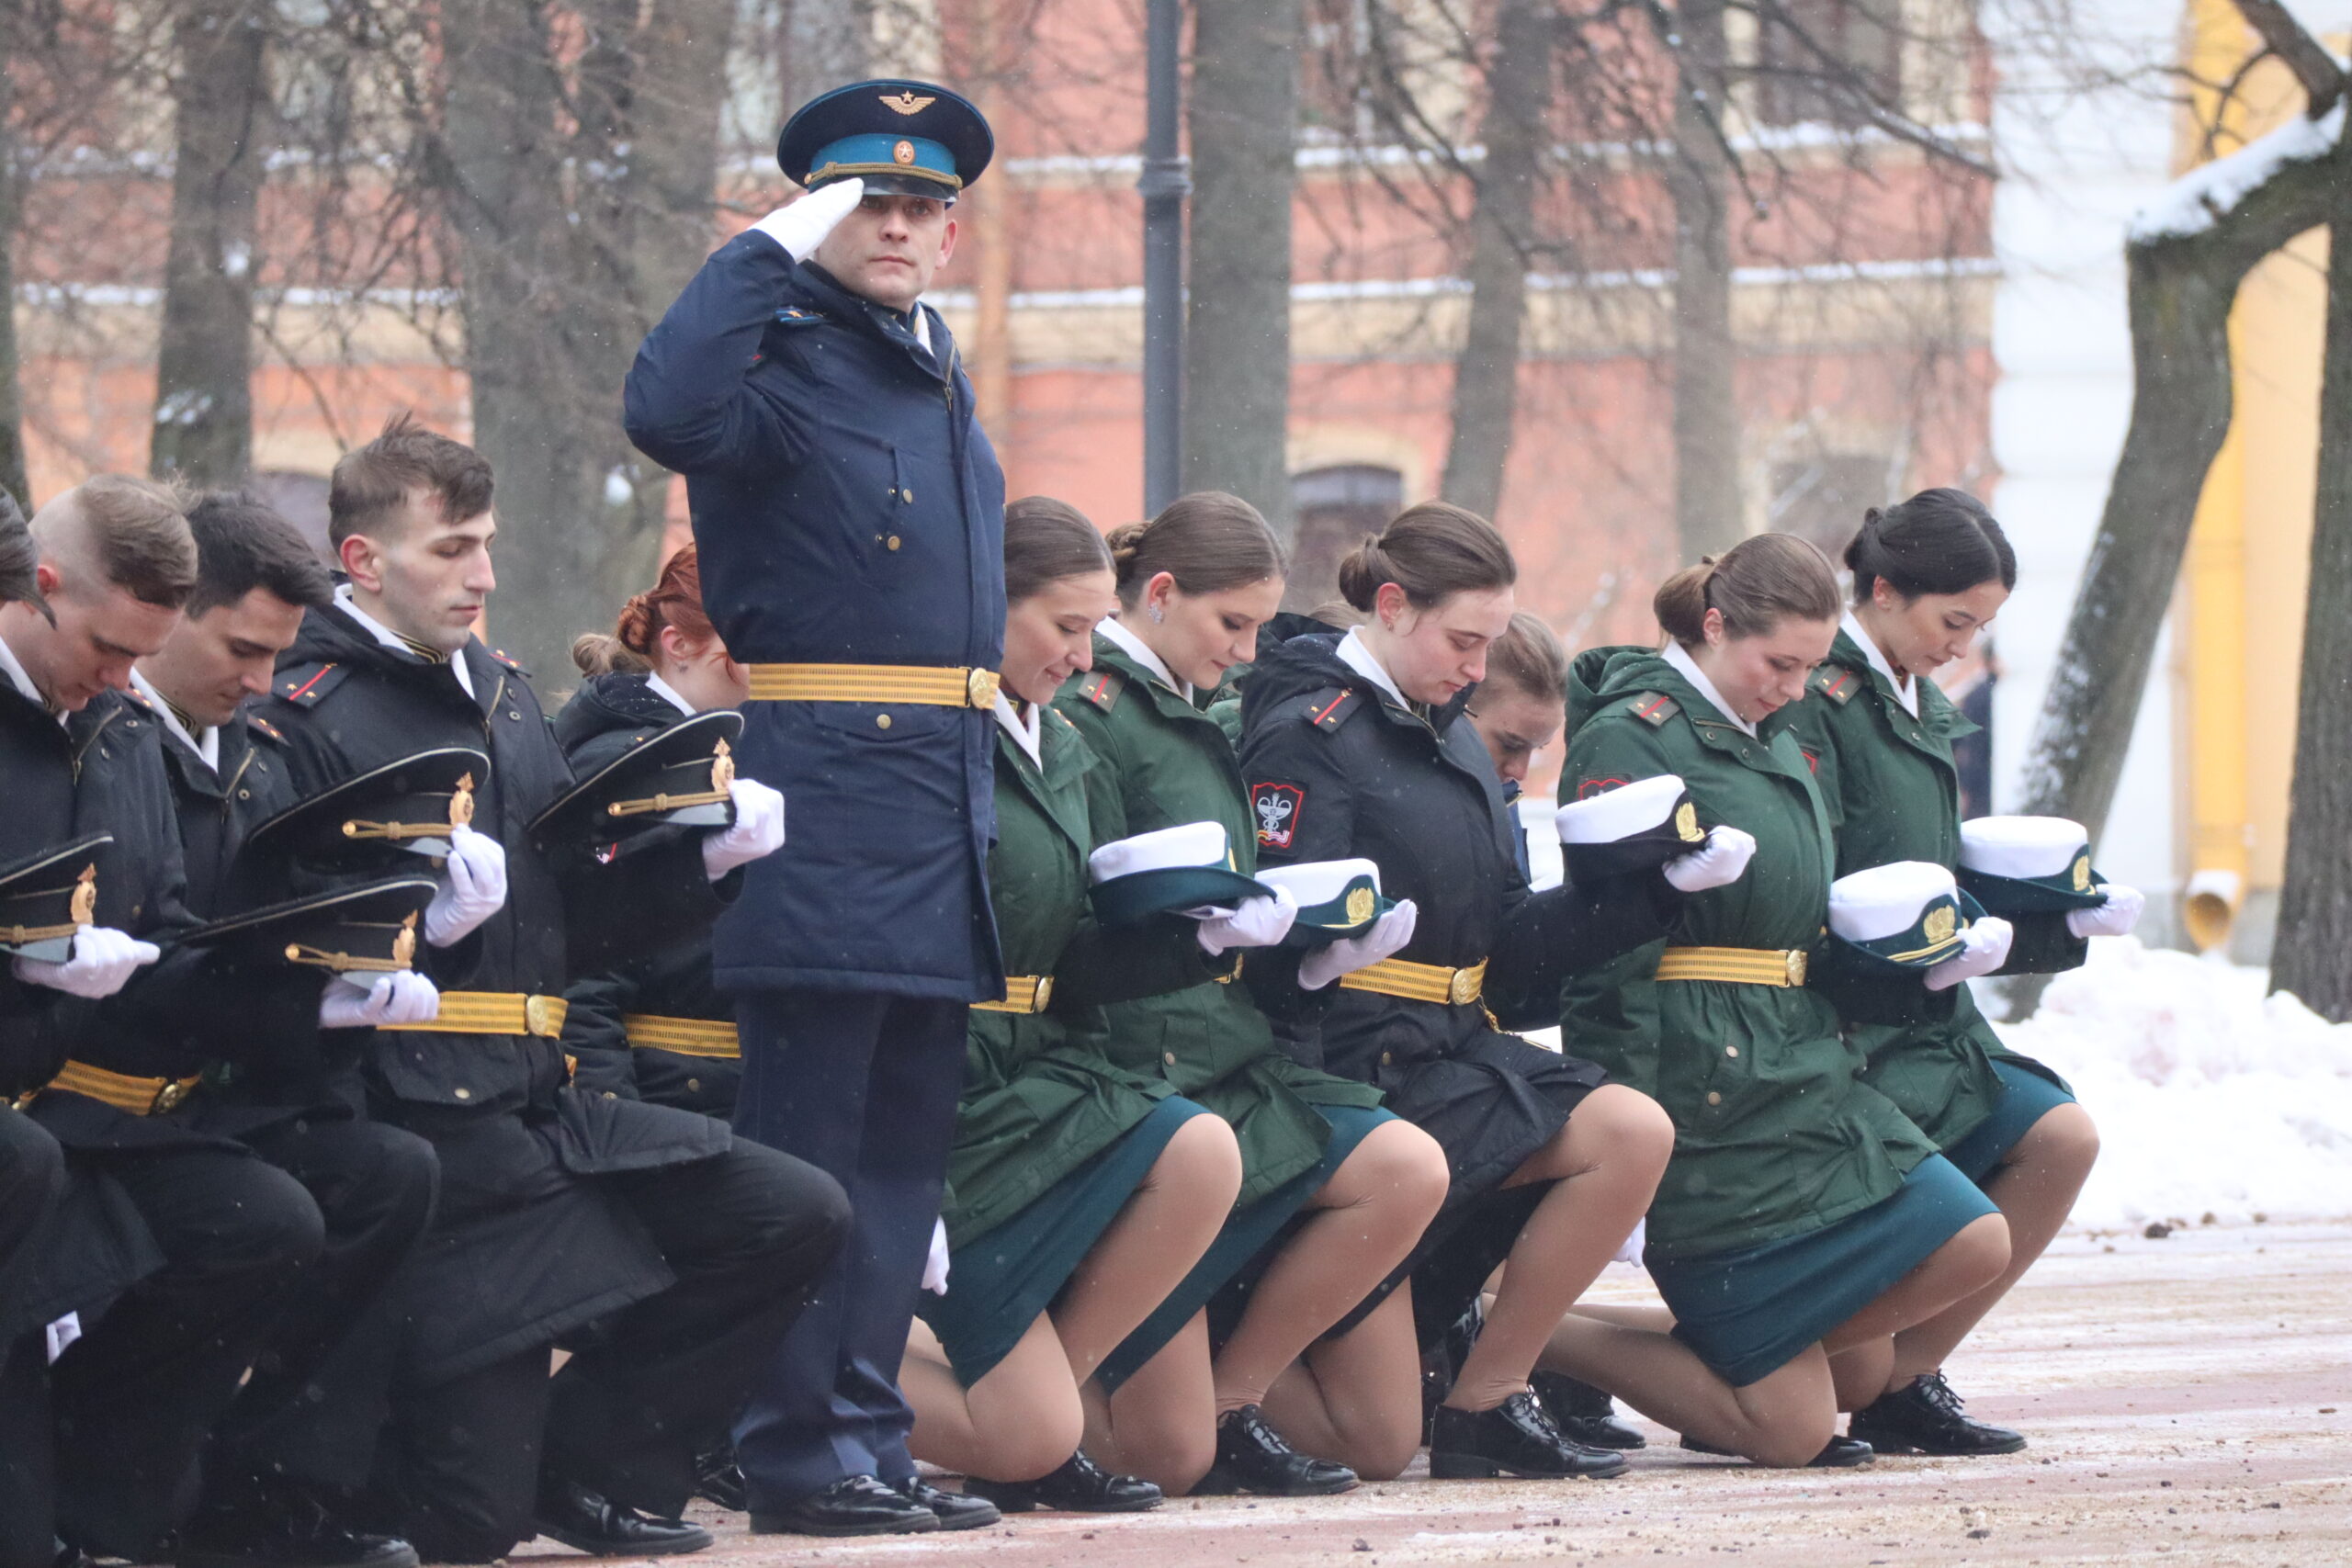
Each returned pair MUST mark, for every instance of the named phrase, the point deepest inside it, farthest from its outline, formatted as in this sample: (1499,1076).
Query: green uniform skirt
(2025,1098)
(1747,1313)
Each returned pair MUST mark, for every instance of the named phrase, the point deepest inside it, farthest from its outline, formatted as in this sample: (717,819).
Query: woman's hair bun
(1125,541)
(637,625)
(1362,572)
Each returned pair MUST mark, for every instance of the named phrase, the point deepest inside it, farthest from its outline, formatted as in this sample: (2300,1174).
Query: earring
(1158,615)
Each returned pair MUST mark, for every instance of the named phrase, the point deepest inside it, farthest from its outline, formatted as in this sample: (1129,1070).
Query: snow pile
(2189,205)
(2210,1098)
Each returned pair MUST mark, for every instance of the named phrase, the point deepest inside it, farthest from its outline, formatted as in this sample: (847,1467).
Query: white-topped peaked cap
(1886,900)
(2022,847)
(1319,881)
(1186,846)
(1619,813)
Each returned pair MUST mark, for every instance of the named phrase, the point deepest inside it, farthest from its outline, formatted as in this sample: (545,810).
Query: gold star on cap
(907,102)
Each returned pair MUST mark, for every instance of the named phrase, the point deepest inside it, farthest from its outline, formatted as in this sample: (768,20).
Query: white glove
(1259,922)
(758,827)
(475,890)
(1629,1250)
(802,227)
(1984,947)
(403,997)
(1387,938)
(103,959)
(1718,862)
(2114,918)
(934,1268)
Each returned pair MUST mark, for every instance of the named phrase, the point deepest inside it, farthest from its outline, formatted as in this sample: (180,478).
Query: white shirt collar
(1906,689)
(1356,656)
(390,638)
(1137,649)
(22,682)
(206,746)
(1028,734)
(1679,656)
(669,694)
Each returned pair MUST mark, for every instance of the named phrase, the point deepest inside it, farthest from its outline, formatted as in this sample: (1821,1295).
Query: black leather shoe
(1516,1437)
(588,1521)
(965,1510)
(1926,1418)
(855,1505)
(718,1479)
(1842,1452)
(281,1526)
(1078,1486)
(1255,1458)
(1584,1414)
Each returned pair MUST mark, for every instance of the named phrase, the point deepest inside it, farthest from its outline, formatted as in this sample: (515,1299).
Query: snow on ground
(2211,1097)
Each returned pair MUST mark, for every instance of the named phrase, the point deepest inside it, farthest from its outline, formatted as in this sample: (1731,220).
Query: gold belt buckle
(1796,965)
(980,688)
(539,1016)
(1045,992)
(168,1097)
(1465,986)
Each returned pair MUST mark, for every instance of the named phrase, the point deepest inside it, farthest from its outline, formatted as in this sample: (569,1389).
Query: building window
(1822,498)
(1335,507)
(1828,61)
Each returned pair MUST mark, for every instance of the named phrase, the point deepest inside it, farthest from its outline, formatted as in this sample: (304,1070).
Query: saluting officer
(849,514)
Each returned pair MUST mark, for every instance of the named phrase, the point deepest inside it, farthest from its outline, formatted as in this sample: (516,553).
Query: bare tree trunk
(12,412)
(1486,375)
(827,44)
(2315,906)
(204,412)
(1243,115)
(1707,515)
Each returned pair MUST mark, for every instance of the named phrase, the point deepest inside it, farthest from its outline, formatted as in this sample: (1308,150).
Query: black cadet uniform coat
(848,510)
(520,1251)
(607,715)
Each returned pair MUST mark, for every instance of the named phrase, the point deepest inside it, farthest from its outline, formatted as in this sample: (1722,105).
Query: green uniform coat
(1775,1133)
(1166,762)
(1891,792)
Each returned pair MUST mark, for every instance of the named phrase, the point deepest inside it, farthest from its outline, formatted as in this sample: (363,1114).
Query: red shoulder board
(305,683)
(263,727)
(1103,688)
(1329,710)
(1654,708)
(1836,683)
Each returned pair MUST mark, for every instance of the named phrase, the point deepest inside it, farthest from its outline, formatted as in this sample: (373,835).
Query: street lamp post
(1166,181)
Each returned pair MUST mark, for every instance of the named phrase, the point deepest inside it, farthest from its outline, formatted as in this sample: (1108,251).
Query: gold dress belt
(924,683)
(686,1036)
(1419,982)
(138,1096)
(1022,993)
(492,1013)
(1734,965)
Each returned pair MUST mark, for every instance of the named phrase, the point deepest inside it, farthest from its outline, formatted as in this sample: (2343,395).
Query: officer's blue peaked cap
(902,136)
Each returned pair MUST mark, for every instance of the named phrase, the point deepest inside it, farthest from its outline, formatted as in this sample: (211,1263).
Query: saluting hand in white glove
(757,831)
(475,888)
(102,961)
(1984,947)
(802,227)
(405,996)
(1257,922)
(1720,862)
(1386,940)
(934,1268)
(2114,918)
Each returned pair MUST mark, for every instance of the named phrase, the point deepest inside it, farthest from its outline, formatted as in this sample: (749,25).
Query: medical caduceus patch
(1278,806)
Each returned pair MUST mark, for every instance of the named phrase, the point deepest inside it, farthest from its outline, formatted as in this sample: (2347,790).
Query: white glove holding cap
(1720,862)
(1386,940)
(1983,947)
(757,831)
(2114,918)
(802,227)
(475,888)
(1259,922)
(357,1002)
(934,1268)
(102,961)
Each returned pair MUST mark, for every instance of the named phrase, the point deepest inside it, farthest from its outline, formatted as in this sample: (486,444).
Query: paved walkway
(2190,1400)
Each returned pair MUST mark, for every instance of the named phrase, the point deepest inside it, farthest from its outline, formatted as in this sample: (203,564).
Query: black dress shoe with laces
(1928,1419)
(965,1510)
(1254,1457)
(1078,1486)
(855,1505)
(1584,1414)
(279,1525)
(1841,1452)
(718,1479)
(590,1522)
(1516,1437)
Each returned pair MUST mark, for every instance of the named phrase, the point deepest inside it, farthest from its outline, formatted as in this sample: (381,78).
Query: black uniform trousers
(138,1394)
(746,1233)
(320,1388)
(32,1178)
(863,1085)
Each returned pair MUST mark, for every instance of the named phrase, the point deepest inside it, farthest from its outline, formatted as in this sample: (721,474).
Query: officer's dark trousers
(864,1086)
(321,1389)
(136,1395)
(32,1178)
(746,1233)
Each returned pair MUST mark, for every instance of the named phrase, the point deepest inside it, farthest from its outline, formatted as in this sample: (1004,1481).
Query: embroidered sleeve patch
(1278,808)
(1591,788)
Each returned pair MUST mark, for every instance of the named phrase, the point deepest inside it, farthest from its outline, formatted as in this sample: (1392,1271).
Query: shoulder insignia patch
(1836,683)
(305,685)
(1654,708)
(1330,709)
(1278,808)
(1103,688)
(1591,788)
(1812,759)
